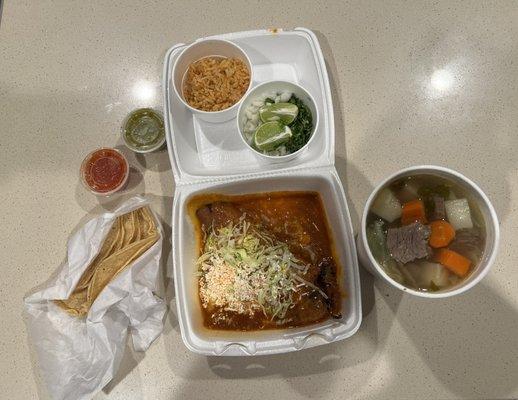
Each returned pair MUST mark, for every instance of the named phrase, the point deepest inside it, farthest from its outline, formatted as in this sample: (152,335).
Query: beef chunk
(224,213)
(439,211)
(467,240)
(327,281)
(205,216)
(308,306)
(219,214)
(409,242)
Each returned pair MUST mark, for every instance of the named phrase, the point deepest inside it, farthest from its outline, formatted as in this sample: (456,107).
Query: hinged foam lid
(201,151)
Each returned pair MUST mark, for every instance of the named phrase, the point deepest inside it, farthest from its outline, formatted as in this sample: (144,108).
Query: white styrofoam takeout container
(210,157)
(474,194)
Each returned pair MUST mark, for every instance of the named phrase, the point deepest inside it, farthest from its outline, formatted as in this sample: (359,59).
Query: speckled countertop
(413,83)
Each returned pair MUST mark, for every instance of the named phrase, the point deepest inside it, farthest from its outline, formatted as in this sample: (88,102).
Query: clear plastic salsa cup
(104,171)
(143,130)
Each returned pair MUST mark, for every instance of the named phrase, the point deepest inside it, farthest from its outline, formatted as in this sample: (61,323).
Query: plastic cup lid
(143,130)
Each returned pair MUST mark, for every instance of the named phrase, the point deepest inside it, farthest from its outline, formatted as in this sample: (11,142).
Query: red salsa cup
(104,171)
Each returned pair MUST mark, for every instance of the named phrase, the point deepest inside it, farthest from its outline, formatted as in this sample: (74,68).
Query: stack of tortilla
(129,237)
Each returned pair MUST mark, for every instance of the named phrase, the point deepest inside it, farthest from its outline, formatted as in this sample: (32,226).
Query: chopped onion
(285,96)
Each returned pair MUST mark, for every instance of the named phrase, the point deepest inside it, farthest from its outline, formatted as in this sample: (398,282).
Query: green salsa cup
(143,130)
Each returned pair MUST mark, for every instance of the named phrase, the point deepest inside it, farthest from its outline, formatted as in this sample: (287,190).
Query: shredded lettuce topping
(245,269)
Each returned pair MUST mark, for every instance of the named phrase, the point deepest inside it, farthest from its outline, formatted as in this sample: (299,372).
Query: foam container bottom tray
(207,158)
(207,341)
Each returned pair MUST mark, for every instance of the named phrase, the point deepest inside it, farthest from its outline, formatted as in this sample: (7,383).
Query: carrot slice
(413,211)
(442,234)
(456,263)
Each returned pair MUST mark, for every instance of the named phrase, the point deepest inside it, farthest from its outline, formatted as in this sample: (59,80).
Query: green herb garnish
(302,126)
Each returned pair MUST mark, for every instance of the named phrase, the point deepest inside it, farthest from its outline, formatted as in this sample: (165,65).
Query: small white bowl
(474,193)
(208,48)
(278,86)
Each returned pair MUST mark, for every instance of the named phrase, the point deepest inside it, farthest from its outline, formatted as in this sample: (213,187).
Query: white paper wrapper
(79,356)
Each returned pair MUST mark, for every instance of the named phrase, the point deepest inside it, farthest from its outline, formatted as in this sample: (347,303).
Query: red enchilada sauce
(104,170)
(295,218)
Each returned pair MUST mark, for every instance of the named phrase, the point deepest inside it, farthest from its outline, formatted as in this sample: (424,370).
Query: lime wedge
(270,135)
(282,112)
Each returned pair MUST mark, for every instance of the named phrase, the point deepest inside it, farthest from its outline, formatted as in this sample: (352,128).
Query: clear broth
(406,273)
